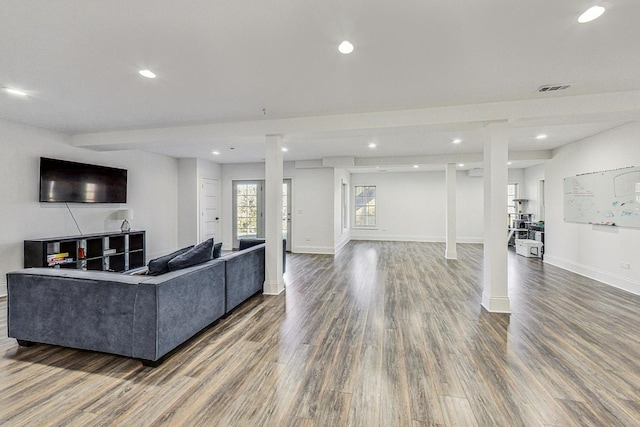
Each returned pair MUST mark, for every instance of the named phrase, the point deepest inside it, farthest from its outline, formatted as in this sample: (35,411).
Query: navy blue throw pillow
(197,255)
(217,250)
(160,265)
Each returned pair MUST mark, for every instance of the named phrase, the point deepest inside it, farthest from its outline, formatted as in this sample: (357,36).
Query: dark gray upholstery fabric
(249,242)
(244,275)
(137,316)
(186,301)
(194,256)
(160,265)
(88,313)
(131,315)
(254,241)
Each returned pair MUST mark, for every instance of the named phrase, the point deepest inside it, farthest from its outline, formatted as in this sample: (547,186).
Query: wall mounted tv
(62,181)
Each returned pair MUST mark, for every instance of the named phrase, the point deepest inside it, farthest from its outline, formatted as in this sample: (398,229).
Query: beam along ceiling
(247,62)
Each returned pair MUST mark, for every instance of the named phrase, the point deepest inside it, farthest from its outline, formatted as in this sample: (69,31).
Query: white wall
(187,202)
(190,172)
(152,194)
(412,207)
(469,208)
(313,225)
(594,251)
(516,176)
(531,190)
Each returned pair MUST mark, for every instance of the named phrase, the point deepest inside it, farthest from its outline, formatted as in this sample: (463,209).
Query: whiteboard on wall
(608,197)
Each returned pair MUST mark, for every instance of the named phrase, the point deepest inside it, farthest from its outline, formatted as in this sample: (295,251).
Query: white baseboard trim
(272,288)
(405,238)
(470,240)
(601,276)
(321,250)
(341,245)
(3,289)
(496,304)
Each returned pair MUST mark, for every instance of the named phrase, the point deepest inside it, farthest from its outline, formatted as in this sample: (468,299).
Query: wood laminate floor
(382,334)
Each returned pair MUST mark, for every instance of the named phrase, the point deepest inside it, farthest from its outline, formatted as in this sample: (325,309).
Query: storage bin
(529,248)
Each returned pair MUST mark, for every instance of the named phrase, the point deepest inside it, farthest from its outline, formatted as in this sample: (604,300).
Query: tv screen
(62,181)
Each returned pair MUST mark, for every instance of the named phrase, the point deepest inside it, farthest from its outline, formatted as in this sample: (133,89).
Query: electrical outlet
(625,265)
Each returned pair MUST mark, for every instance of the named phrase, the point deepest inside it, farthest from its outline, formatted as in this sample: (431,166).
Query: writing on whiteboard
(608,197)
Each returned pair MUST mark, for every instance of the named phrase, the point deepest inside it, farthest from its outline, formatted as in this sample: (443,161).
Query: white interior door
(209,209)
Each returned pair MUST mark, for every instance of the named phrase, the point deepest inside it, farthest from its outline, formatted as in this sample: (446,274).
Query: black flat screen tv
(62,181)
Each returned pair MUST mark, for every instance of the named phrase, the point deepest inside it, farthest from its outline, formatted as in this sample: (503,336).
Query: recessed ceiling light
(147,73)
(285,149)
(372,145)
(460,165)
(345,47)
(415,166)
(456,141)
(509,163)
(215,153)
(594,12)
(16,92)
(541,136)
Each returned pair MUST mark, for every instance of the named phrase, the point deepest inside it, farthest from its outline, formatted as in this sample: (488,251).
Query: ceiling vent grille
(553,88)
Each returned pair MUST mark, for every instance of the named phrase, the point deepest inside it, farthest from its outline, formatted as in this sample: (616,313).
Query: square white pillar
(495,296)
(451,250)
(274,282)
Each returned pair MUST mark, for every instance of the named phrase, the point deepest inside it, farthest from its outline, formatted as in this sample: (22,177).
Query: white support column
(495,297)
(450,250)
(274,283)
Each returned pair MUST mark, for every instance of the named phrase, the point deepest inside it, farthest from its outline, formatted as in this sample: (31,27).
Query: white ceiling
(254,66)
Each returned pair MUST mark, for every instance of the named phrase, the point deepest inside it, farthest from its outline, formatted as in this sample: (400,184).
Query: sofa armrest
(254,241)
(78,309)
(244,275)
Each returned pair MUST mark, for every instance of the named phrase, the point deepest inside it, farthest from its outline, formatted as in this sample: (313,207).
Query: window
(344,205)
(512,209)
(365,206)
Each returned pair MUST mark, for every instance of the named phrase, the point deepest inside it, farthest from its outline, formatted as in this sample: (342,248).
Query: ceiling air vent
(553,88)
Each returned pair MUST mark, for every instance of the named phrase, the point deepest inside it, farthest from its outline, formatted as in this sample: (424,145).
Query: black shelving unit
(102,252)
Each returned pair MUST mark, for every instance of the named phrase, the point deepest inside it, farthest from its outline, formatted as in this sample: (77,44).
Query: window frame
(368,205)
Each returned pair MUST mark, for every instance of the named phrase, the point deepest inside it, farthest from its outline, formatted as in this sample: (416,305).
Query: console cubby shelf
(103,252)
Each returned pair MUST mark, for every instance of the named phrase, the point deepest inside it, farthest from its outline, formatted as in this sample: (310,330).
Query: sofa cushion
(217,250)
(196,255)
(160,265)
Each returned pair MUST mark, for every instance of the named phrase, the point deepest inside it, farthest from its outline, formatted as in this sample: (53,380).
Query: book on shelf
(57,261)
(57,256)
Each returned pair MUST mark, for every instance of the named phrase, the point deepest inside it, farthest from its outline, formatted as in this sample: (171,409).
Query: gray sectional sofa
(138,316)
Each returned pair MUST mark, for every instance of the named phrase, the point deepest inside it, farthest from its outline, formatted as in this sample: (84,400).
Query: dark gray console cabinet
(104,252)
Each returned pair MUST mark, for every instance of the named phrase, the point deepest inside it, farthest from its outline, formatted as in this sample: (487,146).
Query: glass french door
(248,210)
(286,212)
